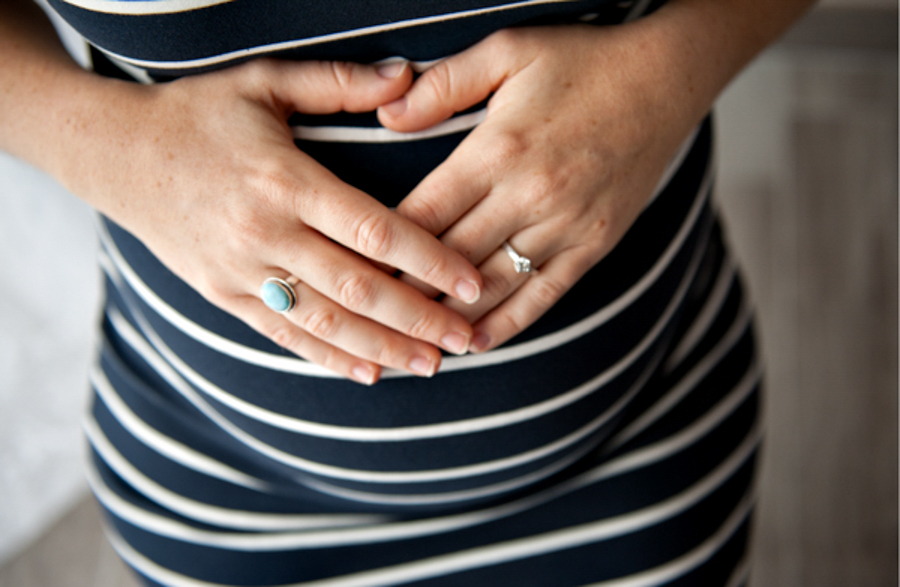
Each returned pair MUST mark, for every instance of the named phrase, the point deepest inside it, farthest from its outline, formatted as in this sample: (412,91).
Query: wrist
(703,44)
(84,124)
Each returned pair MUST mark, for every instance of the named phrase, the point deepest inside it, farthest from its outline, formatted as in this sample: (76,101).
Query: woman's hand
(577,134)
(205,172)
(581,125)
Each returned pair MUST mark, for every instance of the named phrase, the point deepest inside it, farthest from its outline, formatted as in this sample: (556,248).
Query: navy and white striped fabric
(612,443)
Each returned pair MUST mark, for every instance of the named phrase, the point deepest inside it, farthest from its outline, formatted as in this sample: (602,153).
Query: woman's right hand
(205,172)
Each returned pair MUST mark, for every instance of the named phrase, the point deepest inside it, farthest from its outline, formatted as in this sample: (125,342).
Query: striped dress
(611,443)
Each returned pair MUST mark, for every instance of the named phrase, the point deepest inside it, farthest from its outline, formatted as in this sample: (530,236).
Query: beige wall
(808,184)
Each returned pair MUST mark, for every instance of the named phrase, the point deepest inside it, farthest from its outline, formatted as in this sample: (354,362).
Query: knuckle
(215,292)
(426,212)
(507,148)
(435,269)
(507,44)
(547,187)
(258,72)
(374,237)
(504,37)
(331,358)
(386,353)
(579,215)
(513,324)
(356,292)
(546,292)
(421,326)
(322,323)
(271,181)
(245,231)
(498,283)
(286,337)
(440,79)
(277,189)
(342,74)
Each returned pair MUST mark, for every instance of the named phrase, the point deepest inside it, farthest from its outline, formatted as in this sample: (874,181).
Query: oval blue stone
(273,294)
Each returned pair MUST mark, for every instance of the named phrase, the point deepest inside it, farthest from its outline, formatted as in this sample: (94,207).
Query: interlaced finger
(367,227)
(506,270)
(293,338)
(354,334)
(365,291)
(537,294)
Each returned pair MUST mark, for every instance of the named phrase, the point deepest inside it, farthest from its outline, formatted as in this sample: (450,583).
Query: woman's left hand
(578,132)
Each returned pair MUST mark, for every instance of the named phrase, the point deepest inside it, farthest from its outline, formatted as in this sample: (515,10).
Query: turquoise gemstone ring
(278,294)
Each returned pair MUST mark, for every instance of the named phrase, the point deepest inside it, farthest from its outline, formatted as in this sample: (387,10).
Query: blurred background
(808,186)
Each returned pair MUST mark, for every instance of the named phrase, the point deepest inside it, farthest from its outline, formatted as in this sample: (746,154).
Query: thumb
(324,87)
(451,85)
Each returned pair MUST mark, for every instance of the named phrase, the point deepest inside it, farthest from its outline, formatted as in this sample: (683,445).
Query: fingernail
(391,70)
(480,342)
(395,108)
(455,342)
(422,366)
(363,374)
(468,291)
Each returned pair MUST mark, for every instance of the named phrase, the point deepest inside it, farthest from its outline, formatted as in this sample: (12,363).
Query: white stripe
(143,7)
(657,576)
(689,381)
(495,357)
(658,451)
(711,308)
(217,516)
(693,559)
(172,377)
(147,567)
(164,445)
(422,66)
(552,541)
(406,433)
(157,363)
(328,38)
(132,338)
(353,134)
(450,497)
(348,134)
(626,463)
(505,551)
(511,484)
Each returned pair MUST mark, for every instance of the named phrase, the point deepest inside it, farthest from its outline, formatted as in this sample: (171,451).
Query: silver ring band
(520,263)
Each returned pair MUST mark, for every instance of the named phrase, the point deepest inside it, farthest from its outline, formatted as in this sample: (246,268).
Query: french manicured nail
(480,342)
(422,366)
(468,291)
(396,108)
(455,342)
(363,374)
(391,70)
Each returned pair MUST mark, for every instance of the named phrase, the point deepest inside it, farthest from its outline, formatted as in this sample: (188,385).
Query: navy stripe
(245,24)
